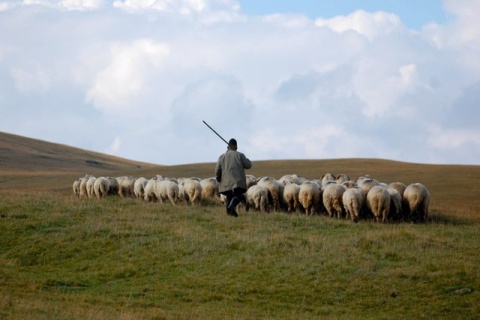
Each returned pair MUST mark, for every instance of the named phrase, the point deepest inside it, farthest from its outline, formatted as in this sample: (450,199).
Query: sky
(397,80)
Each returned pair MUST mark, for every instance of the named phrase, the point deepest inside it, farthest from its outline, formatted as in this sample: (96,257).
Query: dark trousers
(236,194)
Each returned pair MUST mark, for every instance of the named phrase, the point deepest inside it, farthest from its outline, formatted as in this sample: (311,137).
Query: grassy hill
(21,154)
(53,167)
(64,257)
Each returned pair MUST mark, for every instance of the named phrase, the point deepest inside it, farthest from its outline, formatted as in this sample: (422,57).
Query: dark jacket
(230,170)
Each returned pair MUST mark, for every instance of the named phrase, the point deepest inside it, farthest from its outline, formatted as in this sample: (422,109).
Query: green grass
(68,258)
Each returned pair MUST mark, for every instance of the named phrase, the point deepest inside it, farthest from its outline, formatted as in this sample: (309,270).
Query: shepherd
(230,173)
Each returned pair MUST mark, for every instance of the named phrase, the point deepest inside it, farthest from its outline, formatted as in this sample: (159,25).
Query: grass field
(67,258)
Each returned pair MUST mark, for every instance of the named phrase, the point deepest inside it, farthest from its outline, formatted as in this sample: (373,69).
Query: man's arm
(247,164)
(218,171)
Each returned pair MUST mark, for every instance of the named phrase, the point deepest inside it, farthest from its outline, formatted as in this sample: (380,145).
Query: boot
(231,207)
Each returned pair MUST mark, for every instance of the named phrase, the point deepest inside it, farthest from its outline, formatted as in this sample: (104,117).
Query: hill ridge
(20,153)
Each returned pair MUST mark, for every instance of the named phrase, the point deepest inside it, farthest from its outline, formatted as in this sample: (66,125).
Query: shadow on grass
(437,217)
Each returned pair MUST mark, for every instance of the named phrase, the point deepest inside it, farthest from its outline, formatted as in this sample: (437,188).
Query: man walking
(230,172)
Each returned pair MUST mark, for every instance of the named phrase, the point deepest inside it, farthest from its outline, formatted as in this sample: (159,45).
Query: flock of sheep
(337,196)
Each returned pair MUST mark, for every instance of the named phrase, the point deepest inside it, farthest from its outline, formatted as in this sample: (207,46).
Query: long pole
(215,132)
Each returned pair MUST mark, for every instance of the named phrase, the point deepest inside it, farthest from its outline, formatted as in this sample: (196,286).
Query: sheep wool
(332,199)
(378,202)
(167,189)
(101,187)
(275,191)
(353,202)
(139,187)
(309,197)
(257,197)
(416,200)
(291,197)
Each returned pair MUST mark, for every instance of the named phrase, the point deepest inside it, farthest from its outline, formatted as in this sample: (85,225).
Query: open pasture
(69,258)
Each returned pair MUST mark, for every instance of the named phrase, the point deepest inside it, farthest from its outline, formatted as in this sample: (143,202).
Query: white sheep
(210,190)
(76,187)
(291,193)
(251,180)
(83,185)
(139,187)
(112,186)
(192,191)
(275,191)
(342,177)
(378,202)
(399,186)
(353,202)
(332,199)
(257,197)
(328,178)
(126,186)
(395,204)
(101,187)
(291,178)
(89,186)
(416,199)
(167,189)
(149,190)
(309,197)
(349,184)
(366,183)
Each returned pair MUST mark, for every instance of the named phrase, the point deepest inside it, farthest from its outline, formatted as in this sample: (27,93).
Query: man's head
(232,144)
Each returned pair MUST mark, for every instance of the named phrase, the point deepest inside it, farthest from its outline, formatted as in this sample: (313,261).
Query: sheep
(167,189)
(291,178)
(332,199)
(366,183)
(251,180)
(342,178)
(149,190)
(83,185)
(353,202)
(378,202)
(399,186)
(275,191)
(395,204)
(210,190)
(416,199)
(257,197)
(101,187)
(113,186)
(76,187)
(327,178)
(348,184)
(309,197)
(89,186)
(139,187)
(171,179)
(126,186)
(192,191)
(291,196)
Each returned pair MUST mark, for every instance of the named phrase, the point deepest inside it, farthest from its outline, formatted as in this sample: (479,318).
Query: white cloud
(81,4)
(4,6)
(114,148)
(32,80)
(183,7)
(454,138)
(148,72)
(371,25)
(117,87)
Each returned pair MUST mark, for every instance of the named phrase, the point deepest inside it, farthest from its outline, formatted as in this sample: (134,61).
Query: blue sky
(388,79)
(414,14)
